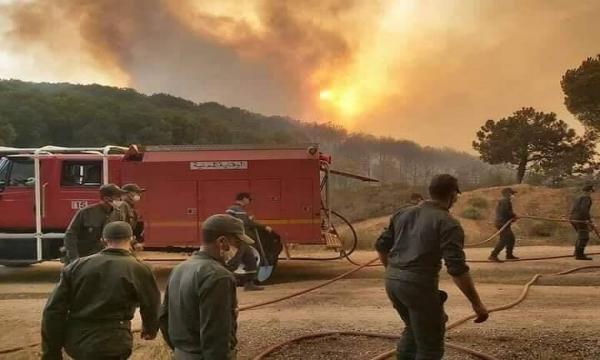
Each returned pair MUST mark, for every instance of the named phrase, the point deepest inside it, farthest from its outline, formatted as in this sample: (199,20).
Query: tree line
(539,143)
(37,114)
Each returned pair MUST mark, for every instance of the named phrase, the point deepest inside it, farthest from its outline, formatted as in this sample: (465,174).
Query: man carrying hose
(412,249)
(505,214)
(581,213)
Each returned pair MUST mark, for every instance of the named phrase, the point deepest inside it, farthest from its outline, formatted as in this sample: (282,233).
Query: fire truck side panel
(171,214)
(285,192)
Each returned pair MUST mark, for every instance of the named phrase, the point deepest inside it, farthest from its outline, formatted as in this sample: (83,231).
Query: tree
(529,138)
(7,133)
(582,92)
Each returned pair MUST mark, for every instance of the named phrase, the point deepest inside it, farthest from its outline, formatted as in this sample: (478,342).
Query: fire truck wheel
(272,247)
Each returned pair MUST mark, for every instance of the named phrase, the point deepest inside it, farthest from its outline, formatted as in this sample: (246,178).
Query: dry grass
(530,200)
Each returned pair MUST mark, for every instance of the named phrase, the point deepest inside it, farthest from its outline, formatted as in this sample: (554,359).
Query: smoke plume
(430,71)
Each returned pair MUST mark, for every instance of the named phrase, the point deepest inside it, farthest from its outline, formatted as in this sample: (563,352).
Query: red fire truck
(41,189)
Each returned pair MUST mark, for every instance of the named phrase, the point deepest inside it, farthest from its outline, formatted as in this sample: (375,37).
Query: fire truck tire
(272,247)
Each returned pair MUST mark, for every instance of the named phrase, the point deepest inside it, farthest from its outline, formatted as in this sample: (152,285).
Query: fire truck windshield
(21,173)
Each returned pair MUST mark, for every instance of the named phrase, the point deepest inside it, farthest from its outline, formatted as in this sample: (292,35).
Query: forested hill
(36,114)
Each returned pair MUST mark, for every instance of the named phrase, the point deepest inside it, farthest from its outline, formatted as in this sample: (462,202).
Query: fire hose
(520,299)
(371,263)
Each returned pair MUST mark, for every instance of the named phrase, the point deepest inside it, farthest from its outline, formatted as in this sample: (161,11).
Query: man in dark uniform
(412,249)
(245,256)
(133,196)
(504,214)
(83,236)
(581,212)
(90,310)
(198,317)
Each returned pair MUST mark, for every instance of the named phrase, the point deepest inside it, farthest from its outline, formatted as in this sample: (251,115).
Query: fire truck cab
(41,189)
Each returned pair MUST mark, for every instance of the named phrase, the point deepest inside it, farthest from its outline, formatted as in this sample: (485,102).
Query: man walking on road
(504,214)
(580,212)
(90,310)
(412,249)
(83,236)
(199,312)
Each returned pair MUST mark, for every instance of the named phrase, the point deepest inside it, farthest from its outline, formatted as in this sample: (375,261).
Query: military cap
(589,187)
(508,191)
(443,184)
(111,190)
(224,224)
(133,188)
(117,230)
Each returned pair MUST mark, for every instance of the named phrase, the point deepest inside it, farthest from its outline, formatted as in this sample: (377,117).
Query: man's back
(109,285)
(198,315)
(96,296)
(504,211)
(419,237)
(581,207)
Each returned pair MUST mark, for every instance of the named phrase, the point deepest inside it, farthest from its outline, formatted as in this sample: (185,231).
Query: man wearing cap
(412,249)
(245,256)
(83,236)
(504,214)
(580,212)
(128,209)
(198,317)
(89,311)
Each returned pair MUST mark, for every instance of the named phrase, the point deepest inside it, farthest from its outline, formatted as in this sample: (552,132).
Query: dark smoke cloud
(486,59)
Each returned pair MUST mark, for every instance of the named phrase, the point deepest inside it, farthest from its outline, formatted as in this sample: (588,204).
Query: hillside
(480,204)
(37,114)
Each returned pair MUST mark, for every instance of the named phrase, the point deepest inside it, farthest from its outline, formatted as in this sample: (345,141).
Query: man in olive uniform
(245,255)
(133,196)
(581,212)
(83,236)
(504,214)
(90,310)
(412,249)
(198,317)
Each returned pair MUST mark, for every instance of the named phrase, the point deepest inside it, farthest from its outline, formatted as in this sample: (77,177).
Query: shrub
(542,228)
(471,213)
(478,203)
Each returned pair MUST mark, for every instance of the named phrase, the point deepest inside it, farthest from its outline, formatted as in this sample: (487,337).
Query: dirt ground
(559,319)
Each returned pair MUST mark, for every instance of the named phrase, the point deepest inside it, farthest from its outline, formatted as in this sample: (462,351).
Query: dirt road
(559,320)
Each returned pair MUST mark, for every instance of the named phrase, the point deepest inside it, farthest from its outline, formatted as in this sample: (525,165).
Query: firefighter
(581,212)
(198,317)
(83,236)
(412,249)
(504,214)
(133,196)
(89,311)
(245,255)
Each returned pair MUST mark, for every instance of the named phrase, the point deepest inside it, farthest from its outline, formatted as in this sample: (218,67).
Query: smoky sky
(458,63)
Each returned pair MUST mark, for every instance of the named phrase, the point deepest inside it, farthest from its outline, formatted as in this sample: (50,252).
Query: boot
(494,258)
(251,286)
(579,255)
(511,257)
